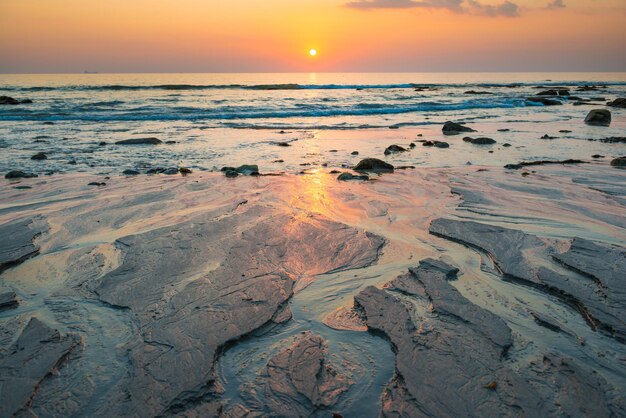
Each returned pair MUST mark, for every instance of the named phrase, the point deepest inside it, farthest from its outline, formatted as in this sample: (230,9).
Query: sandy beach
(468,264)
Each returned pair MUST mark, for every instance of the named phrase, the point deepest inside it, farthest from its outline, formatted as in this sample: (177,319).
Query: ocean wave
(293,86)
(147,113)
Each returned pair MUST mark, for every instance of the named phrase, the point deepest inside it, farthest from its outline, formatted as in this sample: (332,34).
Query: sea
(206,121)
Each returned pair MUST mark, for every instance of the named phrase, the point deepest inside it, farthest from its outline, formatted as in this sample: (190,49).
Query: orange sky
(275,35)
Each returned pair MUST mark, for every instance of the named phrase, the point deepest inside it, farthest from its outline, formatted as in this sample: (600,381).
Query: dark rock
(102,143)
(22,187)
(16,244)
(185,171)
(598,117)
(283,144)
(428,143)
(155,170)
(554,92)
(8,300)
(441,144)
(620,102)
(374,165)
(248,170)
(334,172)
(477,92)
(231,173)
(48,123)
(171,171)
(479,141)
(96,183)
(504,130)
(37,353)
(412,145)
(72,162)
(506,144)
(349,176)
(614,140)
(619,162)
(6,100)
(354,153)
(130,172)
(140,141)
(18,174)
(565,131)
(544,101)
(39,156)
(392,149)
(170,142)
(542,162)
(597,156)
(452,128)
(546,136)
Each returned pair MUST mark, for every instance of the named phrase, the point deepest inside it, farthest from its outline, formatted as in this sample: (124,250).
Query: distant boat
(90,72)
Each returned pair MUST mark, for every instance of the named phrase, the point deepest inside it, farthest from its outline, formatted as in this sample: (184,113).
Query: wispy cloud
(507,8)
(556,4)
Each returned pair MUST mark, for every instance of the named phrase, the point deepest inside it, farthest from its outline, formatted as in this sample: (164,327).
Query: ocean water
(212,120)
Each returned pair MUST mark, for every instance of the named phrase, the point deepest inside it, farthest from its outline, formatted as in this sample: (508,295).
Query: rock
(72,162)
(349,176)
(283,144)
(597,156)
(248,170)
(479,141)
(96,183)
(441,144)
(374,165)
(504,130)
(541,162)
(17,244)
(620,102)
(544,101)
(184,171)
(299,380)
(102,143)
(231,173)
(171,171)
(565,131)
(546,136)
(554,92)
(18,174)
(354,153)
(8,300)
(412,145)
(202,305)
(6,100)
(618,162)
(601,301)
(39,156)
(477,92)
(36,354)
(598,117)
(48,123)
(452,128)
(614,140)
(130,172)
(140,141)
(506,144)
(392,149)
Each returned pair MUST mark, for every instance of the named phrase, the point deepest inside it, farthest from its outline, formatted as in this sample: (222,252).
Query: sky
(65,36)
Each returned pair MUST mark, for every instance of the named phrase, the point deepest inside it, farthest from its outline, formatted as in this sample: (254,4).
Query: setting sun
(313,52)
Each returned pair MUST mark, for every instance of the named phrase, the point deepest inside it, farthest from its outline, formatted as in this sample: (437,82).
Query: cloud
(556,4)
(507,8)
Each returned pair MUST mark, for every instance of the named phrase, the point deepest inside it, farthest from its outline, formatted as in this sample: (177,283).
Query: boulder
(619,162)
(8,300)
(479,141)
(453,128)
(598,117)
(554,92)
(620,102)
(544,101)
(6,100)
(39,156)
(248,169)
(18,174)
(392,149)
(140,141)
(375,165)
(349,176)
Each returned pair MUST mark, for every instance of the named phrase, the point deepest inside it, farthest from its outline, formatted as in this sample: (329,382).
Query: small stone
(140,141)
(130,172)
(18,174)
(392,149)
(349,176)
(39,156)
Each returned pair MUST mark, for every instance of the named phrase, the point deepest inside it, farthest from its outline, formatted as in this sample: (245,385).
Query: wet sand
(487,292)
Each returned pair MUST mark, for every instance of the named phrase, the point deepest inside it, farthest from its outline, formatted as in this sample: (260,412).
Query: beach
(187,247)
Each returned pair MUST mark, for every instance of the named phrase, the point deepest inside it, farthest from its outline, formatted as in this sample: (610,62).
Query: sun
(313,52)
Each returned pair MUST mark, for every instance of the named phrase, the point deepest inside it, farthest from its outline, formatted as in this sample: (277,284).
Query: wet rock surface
(598,117)
(8,300)
(140,141)
(453,128)
(18,245)
(38,351)
(298,382)
(451,357)
(374,165)
(599,300)
(210,292)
